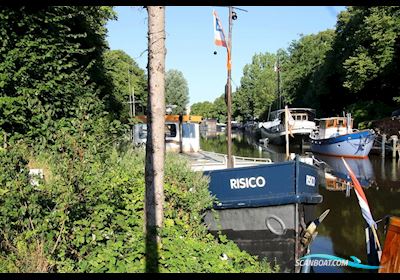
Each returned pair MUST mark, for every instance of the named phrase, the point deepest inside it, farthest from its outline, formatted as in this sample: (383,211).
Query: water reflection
(342,232)
(362,168)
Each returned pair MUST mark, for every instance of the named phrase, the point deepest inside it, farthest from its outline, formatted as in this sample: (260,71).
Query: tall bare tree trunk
(155,153)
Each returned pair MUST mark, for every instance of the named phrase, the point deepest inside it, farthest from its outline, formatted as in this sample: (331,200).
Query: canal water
(342,231)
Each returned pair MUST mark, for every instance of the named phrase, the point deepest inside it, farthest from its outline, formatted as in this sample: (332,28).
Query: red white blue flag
(219,36)
(362,199)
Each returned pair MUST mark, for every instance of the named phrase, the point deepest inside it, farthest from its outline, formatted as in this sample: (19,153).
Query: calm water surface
(342,232)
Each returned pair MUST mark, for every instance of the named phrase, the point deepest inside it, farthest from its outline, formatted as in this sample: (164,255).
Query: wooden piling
(383,144)
(394,148)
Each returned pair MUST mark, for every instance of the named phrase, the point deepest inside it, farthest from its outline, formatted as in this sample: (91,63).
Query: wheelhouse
(181,134)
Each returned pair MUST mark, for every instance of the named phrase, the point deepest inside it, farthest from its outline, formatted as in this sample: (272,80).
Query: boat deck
(207,161)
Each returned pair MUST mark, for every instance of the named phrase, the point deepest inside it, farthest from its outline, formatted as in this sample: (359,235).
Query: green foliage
(220,109)
(258,89)
(88,215)
(374,44)
(365,111)
(306,55)
(176,91)
(126,78)
(50,59)
(205,109)
(215,110)
(353,64)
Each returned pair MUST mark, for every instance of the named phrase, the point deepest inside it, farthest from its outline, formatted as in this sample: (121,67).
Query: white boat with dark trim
(335,136)
(182,134)
(274,129)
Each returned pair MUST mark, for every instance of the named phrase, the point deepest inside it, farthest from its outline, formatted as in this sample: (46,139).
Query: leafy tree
(204,109)
(177,91)
(215,110)
(126,78)
(50,61)
(362,64)
(374,45)
(220,109)
(258,87)
(306,55)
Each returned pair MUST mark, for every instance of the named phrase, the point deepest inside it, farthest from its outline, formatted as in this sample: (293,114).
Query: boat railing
(261,160)
(218,157)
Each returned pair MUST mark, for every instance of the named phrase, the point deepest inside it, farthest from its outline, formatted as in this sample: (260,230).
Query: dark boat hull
(263,208)
(272,233)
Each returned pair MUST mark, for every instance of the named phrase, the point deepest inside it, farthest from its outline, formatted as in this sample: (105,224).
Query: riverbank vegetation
(352,68)
(62,111)
(86,214)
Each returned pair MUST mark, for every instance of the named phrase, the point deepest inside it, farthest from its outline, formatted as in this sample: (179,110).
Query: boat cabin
(180,135)
(334,126)
(298,114)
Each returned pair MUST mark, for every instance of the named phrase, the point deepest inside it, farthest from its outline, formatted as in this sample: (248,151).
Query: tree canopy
(258,89)
(51,67)
(211,110)
(126,77)
(177,91)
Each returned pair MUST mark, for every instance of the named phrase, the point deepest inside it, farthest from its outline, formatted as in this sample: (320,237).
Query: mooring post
(394,148)
(383,145)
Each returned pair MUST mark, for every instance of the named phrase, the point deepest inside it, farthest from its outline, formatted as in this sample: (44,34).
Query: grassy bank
(87,215)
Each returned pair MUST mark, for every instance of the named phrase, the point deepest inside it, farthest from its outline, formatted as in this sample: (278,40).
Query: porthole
(275,225)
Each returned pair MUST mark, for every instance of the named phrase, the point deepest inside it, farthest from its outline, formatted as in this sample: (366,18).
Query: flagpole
(219,40)
(376,238)
(228,93)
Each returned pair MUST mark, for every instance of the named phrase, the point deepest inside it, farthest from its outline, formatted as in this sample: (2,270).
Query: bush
(88,216)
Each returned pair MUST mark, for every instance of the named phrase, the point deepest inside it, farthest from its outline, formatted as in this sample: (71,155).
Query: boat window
(170,130)
(341,123)
(300,117)
(330,123)
(188,130)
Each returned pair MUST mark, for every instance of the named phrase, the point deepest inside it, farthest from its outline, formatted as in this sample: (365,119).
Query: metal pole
(228,93)
(279,84)
(287,132)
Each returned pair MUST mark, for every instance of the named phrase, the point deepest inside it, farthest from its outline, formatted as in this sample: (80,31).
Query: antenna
(235,8)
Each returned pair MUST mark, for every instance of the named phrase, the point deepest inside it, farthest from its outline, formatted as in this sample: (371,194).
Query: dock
(385,145)
(206,161)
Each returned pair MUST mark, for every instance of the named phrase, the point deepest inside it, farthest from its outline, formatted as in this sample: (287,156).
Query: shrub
(88,217)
